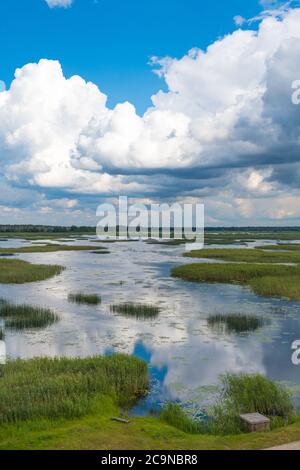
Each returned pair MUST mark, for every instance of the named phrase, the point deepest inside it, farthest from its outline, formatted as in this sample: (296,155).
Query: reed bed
(65,388)
(136,310)
(236,322)
(21,317)
(81,298)
(19,272)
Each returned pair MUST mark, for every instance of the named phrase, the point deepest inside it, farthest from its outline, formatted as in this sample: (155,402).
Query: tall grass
(81,298)
(21,317)
(68,388)
(136,310)
(236,322)
(240,393)
(19,272)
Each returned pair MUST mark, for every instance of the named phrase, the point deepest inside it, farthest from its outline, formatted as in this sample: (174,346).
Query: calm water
(185,356)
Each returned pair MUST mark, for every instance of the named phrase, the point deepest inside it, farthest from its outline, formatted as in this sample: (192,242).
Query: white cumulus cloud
(59,3)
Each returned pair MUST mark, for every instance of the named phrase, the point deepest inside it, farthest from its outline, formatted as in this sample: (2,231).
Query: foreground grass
(246,255)
(96,431)
(50,248)
(264,279)
(68,388)
(21,317)
(139,311)
(19,272)
(81,298)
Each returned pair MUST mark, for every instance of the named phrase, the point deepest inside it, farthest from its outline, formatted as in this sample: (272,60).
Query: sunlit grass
(81,298)
(68,388)
(19,272)
(136,310)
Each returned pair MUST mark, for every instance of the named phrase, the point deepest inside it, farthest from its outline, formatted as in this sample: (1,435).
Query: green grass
(20,272)
(21,317)
(81,298)
(264,279)
(236,322)
(239,394)
(139,311)
(102,252)
(280,246)
(68,388)
(246,255)
(50,248)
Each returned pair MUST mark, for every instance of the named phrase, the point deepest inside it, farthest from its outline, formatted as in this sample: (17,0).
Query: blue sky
(110,42)
(86,119)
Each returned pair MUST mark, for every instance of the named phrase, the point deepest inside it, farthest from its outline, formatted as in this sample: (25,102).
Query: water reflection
(186,356)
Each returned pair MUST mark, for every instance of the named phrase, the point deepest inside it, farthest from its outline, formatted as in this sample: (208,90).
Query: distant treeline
(44,229)
(86,229)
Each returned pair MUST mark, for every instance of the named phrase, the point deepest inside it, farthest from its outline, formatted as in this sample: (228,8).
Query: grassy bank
(264,279)
(246,255)
(50,248)
(19,272)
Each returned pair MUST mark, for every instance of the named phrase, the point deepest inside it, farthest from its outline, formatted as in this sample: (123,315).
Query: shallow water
(186,357)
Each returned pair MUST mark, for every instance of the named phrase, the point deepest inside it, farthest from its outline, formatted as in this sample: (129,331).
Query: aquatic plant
(64,388)
(2,334)
(14,271)
(236,322)
(137,310)
(21,317)
(81,298)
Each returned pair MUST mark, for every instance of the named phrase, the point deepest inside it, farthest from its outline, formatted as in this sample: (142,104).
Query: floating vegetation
(2,334)
(136,310)
(69,388)
(102,252)
(21,317)
(19,272)
(6,255)
(81,298)
(236,322)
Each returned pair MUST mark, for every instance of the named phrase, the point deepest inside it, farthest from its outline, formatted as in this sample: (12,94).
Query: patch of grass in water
(81,298)
(21,317)
(20,272)
(264,279)
(65,388)
(2,334)
(280,246)
(102,252)
(246,255)
(236,322)
(136,310)
(6,255)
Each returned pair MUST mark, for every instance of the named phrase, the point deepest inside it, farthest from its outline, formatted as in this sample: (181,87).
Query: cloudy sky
(160,101)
